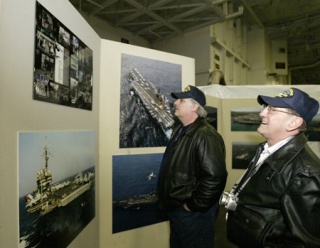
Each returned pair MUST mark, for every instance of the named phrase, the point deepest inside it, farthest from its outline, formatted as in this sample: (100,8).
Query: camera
(229,200)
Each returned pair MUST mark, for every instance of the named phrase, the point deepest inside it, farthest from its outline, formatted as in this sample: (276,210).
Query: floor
(221,231)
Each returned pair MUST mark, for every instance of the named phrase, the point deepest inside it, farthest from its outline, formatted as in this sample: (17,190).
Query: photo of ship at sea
(248,119)
(146,117)
(56,186)
(212,116)
(135,202)
(242,154)
(313,129)
(245,119)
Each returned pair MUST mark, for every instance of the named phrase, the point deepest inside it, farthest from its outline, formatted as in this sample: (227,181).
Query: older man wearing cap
(276,203)
(193,174)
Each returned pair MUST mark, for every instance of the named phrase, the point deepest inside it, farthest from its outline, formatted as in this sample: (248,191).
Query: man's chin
(260,128)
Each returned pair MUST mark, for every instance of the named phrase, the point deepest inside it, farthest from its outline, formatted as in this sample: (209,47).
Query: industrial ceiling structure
(298,21)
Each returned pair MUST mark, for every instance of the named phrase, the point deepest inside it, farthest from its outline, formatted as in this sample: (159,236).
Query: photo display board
(62,64)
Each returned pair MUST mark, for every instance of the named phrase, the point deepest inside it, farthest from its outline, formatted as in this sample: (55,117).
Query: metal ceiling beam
(235,14)
(198,19)
(102,6)
(153,15)
(138,23)
(176,6)
(127,19)
(139,13)
(176,19)
(159,3)
(123,11)
(252,13)
(94,3)
(201,7)
(155,34)
(214,5)
(222,12)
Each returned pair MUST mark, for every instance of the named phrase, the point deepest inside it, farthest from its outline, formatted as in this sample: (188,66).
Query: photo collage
(62,64)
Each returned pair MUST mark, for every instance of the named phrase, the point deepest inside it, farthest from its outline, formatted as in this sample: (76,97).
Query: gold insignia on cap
(286,93)
(187,89)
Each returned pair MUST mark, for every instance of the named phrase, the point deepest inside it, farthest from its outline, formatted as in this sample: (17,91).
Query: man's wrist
(186,207)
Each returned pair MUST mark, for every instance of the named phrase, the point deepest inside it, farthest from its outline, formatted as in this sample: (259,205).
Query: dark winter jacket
(193,170)
(280,205)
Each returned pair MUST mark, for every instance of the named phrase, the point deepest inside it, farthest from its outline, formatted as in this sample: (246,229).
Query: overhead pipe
(235,14)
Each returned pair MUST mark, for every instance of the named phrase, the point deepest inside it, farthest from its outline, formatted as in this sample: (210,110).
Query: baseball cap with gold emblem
(191,92)
(306,106)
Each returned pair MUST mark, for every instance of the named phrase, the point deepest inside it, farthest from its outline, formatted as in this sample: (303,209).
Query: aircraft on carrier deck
(156,103)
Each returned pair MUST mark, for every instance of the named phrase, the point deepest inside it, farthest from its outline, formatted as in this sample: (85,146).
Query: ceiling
(298,21)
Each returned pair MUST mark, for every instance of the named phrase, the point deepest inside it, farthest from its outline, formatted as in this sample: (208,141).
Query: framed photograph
(62,64)
(146,117)
(56,186)
(242,154)
(245,119)
(134,198)
(313,130)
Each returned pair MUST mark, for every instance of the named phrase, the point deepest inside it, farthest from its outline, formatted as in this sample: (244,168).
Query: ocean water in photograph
(58,227)
(134,186)
(137,126)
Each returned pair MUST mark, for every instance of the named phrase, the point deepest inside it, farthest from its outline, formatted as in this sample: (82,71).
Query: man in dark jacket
(276,203)
(193,174)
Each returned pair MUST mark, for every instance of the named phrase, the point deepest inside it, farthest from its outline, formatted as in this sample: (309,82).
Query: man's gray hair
(200,111)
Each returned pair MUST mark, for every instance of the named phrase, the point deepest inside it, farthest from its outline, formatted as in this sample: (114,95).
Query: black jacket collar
(280,158)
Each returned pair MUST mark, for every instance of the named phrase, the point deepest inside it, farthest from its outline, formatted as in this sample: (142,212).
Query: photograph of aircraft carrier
(134,198)
(313,131)
(245,119)
(249,120)
(146,117)
(243,153)
(156,103)
(47,197)
(56,186)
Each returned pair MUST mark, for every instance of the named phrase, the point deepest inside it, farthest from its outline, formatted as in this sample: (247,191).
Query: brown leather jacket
(280,205)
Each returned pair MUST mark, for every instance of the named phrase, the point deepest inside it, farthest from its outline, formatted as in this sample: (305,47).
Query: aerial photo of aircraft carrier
(47,197)
(156,103)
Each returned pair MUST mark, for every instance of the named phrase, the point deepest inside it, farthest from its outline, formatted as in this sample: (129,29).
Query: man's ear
(195,107)
(295,123)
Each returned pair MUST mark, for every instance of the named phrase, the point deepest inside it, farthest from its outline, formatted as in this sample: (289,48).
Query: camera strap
(263,156)
(267,151)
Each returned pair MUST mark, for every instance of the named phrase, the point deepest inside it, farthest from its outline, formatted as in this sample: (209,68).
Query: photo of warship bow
(47,197)
(156,103)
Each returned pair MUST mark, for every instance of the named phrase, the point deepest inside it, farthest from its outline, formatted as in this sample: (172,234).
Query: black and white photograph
(56,186)
(61,58)
(64,37)
(146,117)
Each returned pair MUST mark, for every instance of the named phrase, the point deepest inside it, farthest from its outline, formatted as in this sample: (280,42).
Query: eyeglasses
(272,108)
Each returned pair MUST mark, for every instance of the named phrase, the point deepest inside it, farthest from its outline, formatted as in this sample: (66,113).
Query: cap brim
(180,95)
(273,101)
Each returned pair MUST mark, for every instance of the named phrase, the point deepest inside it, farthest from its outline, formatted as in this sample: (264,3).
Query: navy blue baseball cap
(191,92)
(296,99)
